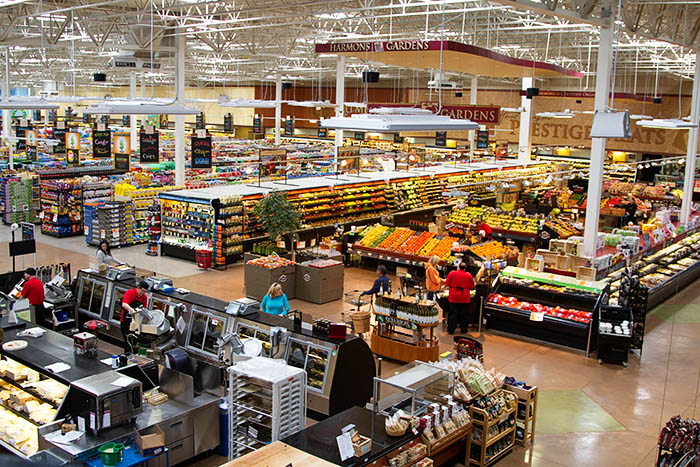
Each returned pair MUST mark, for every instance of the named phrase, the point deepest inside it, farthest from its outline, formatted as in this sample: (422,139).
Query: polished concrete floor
(589,414)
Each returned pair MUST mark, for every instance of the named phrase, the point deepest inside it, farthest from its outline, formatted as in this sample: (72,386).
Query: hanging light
(666,124)
(565,114)
(416,120)
(319,104)
(140,107)
(27,103)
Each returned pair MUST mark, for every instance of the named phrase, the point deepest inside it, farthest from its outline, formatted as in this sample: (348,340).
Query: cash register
(121,273)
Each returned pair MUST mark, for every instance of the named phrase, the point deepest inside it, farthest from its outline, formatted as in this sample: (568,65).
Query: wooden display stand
(480,419)
(450,445)
(388,341)
(527,413)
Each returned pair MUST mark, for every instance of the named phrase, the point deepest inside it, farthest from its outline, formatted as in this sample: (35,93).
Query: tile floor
(589,414)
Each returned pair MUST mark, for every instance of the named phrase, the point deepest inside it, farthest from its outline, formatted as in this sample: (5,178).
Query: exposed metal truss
(247,41)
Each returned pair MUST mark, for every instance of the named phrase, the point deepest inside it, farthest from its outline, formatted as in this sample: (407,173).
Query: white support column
(278,110)
(132,118)
(180,119)
(339,100)
(595,179)
(472,101)
(691,155)
(525,124)
(6,127)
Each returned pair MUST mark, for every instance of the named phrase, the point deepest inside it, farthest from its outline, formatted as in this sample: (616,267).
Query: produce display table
(258,280)
(391,312)
(319,284)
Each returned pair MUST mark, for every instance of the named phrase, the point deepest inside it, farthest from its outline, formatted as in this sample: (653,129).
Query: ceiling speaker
(99,77)
(532,92)
(286,85)
(370,76)
(458,94)
(657,100)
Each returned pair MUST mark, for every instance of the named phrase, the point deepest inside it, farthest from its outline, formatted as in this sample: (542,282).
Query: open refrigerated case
(548,307)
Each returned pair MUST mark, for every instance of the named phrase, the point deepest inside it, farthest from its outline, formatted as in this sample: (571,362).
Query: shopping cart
(358,320)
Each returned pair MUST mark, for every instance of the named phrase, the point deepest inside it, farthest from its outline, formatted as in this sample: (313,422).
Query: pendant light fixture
(140,107)
(27,103)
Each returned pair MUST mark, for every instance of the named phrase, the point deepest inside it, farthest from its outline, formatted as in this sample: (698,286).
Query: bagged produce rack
(548,307)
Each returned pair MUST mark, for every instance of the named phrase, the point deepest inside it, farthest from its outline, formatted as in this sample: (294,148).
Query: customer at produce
(433,282)
(381,283)
(275,301)
(630,211)
(33,291)
(483,229)
(133,298)
(104,255)
(460,283)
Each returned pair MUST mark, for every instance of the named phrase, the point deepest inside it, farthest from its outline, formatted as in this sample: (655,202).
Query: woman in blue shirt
(275,302)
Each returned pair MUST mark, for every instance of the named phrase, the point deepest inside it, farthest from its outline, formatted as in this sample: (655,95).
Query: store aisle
(589,414)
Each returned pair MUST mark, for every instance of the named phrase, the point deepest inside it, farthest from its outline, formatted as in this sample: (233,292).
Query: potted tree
(279,218)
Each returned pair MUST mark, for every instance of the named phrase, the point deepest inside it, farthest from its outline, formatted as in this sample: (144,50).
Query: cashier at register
(133,298)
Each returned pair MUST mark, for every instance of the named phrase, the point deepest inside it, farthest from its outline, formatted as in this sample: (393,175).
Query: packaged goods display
(19,196)
(493,417)
(62,208)
(228,230)
(473,379)
(407,309)
(187,225)
(409,457)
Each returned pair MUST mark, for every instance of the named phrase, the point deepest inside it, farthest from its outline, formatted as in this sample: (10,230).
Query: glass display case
(116,308)
(204,330)
(249,331)
(91,297)
(312,358)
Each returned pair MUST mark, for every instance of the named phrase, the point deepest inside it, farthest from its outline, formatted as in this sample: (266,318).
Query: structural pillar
(691,155)
(472,101)
(525,122)
(180,119)
(6,127)
(278,110)
(339,103)
(595,181)
(132,118)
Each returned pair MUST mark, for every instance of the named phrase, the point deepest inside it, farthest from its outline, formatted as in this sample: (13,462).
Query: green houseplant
(278,217)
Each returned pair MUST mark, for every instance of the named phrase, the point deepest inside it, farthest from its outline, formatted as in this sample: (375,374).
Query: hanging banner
(126,120)
(348,158)
(441,138)
(482,139)
(73,149)
(59,134)
(201,152)
(257,125)
(32,145)
(360,135)
(200,121)
(148,148)
(289,127)
(21,133)
(86,118)
(272,162)
(228,123)
(322,131)
(163,121)
(122,152)
(101,144)
(398,139)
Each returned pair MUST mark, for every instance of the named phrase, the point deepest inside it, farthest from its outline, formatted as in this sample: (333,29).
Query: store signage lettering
(32,149)
(478,114)
(201,152)
(392,46)
(148,148)
(59,134)
(441,138)
(289,127)
(228,123)
(257,125)
(482,139)
(101,144)
(21,132)
(322,131)
(122,152)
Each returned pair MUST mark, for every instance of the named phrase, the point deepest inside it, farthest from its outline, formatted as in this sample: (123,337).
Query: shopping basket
(204,259)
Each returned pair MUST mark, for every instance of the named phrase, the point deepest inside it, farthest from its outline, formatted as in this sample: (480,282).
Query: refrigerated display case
(91,297)
(312,358)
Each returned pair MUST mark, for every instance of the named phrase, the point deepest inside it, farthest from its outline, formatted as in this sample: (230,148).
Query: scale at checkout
(243,307)
(121,273)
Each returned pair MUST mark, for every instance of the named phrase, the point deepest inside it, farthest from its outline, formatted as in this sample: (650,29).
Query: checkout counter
(189,420)
(340,371)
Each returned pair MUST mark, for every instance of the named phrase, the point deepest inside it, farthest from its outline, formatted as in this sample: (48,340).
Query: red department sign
(485,115)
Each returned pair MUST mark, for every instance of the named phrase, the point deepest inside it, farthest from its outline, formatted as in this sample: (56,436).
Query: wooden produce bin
(319,285)
(258,279)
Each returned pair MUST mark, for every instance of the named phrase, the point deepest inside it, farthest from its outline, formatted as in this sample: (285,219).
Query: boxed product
(152,444)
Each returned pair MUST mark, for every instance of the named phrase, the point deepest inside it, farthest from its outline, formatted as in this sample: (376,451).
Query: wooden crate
(532,264)
(526,416)
(563,262)
(585,274)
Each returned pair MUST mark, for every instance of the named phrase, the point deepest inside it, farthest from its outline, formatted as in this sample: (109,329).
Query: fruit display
(498,221)
(396,239)
(402,240)
(491,250)
(555,311)
(271,262)
(562,228)
(343,203)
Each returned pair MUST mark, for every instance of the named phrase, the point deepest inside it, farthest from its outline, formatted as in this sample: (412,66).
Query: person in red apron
(133,298)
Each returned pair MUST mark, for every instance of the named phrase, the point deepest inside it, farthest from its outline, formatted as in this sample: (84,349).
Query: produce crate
(258,280)
(319,285)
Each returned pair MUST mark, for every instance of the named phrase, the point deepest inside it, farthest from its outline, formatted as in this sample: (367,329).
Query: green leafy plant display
(278,217)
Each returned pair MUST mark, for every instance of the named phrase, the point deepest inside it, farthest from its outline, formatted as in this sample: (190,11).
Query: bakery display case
(549,307)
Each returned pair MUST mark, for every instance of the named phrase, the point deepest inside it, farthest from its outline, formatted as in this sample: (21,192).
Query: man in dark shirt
(133,298)
(630,211)
(381,283)
(33,290)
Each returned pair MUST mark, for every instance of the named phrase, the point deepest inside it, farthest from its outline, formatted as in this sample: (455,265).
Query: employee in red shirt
(133,298)
(33,290)
(482,226)
(461,284)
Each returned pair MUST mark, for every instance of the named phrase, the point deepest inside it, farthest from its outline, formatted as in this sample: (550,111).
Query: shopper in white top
(104,255)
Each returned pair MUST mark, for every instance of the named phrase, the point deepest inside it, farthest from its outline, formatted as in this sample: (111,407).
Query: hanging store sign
(122,152)
(148,148)
(21,133)
(257,125)
(289,127)
(228,123)
(441,138)
(32,145)
(199,124)
(101,144)
(52,115)
(163,121)
(73,149)
(322,131)
(201,152)
(482,139)
(398,139)
(482,114)
(59,134)
(359,136)
(126,120)
(86,118)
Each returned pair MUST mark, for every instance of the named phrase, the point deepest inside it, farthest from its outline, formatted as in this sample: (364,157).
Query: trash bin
(222,450)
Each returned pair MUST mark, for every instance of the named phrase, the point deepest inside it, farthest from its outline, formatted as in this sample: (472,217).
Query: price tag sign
(345,446)
(537,316)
